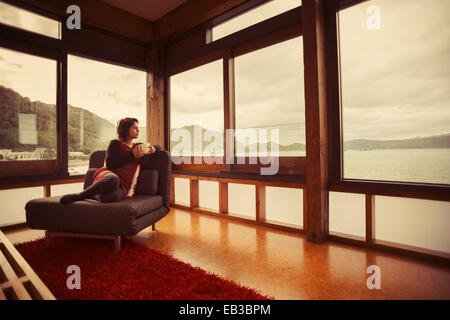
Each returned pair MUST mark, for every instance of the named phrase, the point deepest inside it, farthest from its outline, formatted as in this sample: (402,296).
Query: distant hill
(192,128)
(439,141)
(97,131)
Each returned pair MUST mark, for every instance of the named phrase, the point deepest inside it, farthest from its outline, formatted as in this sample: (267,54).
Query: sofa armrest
(162,162)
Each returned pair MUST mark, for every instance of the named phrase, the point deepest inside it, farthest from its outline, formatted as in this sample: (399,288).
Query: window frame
(28,43)
(336,181)
(277,29)
(71,42)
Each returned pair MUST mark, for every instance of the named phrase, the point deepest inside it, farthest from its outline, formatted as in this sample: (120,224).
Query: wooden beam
(403,190)
(172,189)
(370,218)
(333,93)
(316,121)
(191,14)
(223,197)
(19,275)
(47,190)
(193,190)
(156,96)
(260,203)
(101,15)
(229,106)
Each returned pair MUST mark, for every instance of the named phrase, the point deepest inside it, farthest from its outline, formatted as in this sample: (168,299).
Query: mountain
(192,129)
(438,141)
(87,132)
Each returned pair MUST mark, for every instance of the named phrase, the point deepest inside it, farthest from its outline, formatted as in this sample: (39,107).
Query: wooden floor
(282,264)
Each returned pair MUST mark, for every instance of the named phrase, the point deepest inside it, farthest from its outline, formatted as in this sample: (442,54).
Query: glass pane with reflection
(196,111)
(27,107)
(269,96)
(99,95)
(29,21)
(395,75)
(260,13)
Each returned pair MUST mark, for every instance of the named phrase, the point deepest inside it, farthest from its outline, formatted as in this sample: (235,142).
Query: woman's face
(133,133)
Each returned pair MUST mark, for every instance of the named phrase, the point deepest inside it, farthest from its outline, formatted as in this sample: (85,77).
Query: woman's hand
(151,149)
(138,152)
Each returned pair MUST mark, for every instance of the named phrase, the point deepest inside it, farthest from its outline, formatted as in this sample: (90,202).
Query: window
(395,76)
(269,94)
(196,111)
(27,106)
(262,12)
(29,21)
(97,102)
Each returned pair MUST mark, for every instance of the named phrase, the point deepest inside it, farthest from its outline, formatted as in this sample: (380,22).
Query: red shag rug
(135,272)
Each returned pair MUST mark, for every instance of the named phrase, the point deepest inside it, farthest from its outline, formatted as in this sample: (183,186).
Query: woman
(112,183)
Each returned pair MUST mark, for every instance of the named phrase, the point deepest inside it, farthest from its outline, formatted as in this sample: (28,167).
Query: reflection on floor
(284,265)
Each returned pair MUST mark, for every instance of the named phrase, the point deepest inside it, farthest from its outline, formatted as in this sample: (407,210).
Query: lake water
(407,165)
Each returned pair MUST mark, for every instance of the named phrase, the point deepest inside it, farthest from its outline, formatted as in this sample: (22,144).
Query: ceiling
(151,10)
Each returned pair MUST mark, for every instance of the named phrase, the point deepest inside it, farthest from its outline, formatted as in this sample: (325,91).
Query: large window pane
(99,95)
(27,107)
(262,12)
(395,75)
(23,19)
(269,95)
(196,111)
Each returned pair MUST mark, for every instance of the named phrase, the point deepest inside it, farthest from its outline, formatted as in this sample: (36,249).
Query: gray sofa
(91,218)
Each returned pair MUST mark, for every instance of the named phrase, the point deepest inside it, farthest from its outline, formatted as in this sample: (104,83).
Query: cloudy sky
(395,80)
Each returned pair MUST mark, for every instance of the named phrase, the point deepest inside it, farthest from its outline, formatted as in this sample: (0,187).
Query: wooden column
(193,190)
(156,119)
(316,217)
(47,190)
(172,190)
(260,203)
(223,197)
(370,218)
(229,106)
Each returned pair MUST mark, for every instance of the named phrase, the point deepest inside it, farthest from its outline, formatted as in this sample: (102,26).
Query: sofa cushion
(148,182)
(89,216)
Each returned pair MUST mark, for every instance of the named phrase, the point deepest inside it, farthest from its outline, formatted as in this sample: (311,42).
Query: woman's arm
(114,159)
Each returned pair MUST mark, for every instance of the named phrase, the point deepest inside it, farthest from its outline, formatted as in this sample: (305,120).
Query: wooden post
(260,203)
(229,106)
(47,190)
(172,190)
(316,219)
(117,243)
(370,218)
(223,197)
(193,190)
(156,120)
(48,239)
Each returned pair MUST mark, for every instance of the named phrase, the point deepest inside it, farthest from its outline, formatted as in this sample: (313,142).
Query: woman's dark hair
(123,127)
